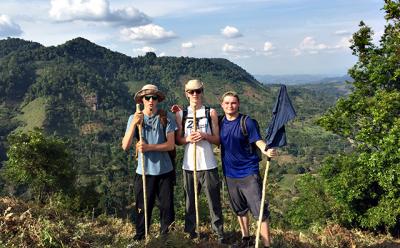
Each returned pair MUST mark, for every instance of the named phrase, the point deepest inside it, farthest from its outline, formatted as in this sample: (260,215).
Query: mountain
(83,93)
(298,79)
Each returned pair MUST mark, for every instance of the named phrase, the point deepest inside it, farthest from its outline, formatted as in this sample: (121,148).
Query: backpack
(253,148)
(172,153)
(208,116)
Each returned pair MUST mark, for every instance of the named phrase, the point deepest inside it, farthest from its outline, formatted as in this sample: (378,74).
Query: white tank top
(204,151)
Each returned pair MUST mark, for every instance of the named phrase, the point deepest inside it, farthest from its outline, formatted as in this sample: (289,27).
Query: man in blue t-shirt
(158,136)
(240,164)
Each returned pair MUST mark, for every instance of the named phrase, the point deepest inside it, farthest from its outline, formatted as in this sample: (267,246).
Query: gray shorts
(245,194)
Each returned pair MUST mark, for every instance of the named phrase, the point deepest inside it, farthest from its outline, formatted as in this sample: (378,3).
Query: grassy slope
(33,114)
(31,225)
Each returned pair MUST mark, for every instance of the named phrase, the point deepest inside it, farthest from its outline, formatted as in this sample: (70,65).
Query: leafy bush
(42,163)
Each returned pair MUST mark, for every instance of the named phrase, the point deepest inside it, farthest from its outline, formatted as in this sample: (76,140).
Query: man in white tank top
(207,172)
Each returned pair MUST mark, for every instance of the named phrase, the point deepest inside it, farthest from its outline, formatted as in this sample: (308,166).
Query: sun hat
(149,89)
(193,84)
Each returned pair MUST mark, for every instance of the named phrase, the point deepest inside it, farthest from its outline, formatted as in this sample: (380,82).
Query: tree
(365,183)
(42,163)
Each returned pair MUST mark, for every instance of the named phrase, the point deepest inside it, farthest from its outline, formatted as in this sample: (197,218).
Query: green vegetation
(40,163)
(33,115)
(339,167)
(360,187)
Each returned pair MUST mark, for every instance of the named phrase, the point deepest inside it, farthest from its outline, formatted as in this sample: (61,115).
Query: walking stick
(143,178)
(262,202)
(196,200)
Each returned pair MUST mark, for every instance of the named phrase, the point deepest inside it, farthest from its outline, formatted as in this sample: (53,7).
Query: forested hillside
(82,93)
(63,111)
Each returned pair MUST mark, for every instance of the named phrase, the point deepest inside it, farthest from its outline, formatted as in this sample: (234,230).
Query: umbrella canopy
(282,113)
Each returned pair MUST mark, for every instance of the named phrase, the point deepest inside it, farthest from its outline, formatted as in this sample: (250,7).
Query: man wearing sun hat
(157,141)
(206,134)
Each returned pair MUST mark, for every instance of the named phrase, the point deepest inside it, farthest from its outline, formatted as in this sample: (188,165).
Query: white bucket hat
(193,84)
(149,89)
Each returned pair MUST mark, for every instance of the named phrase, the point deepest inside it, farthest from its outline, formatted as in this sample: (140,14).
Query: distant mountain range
(297,79)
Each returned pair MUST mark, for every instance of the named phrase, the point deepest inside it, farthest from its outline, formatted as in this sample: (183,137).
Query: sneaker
(221,239)
(193,235)
(138,237)
(243,243)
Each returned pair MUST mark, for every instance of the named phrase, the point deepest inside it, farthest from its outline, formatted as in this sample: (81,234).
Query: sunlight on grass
(33,115)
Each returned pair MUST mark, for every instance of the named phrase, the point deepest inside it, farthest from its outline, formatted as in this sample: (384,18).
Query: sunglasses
(155,98)
(198,91)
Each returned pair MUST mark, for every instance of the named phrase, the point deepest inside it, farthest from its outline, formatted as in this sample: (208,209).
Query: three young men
(240,164)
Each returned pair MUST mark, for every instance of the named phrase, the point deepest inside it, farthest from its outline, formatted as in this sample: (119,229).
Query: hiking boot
(243,243)
(193,235)
(138,237)
(221,239)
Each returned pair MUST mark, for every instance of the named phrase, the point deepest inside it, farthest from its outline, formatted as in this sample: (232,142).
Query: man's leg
(244,225)
(211,182)
(165,197)
(264,232)
(253,193)
(190,211)
(140,222)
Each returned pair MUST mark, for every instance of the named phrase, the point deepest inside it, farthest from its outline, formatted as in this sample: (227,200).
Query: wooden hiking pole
(143,178)
(196,200)
(262,202)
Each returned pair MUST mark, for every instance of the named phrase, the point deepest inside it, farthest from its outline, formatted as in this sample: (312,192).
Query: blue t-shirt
(156,163)
(237,159)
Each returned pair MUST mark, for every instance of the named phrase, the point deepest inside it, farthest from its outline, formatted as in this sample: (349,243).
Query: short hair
(230,93)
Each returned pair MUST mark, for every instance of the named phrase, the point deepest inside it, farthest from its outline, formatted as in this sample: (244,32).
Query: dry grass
(30,225)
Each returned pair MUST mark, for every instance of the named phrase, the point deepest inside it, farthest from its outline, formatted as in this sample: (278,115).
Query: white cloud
(343,32)
(148,33)
(343,43)
(230,32)
(95,10)
(144,50)
(268,48)
(237,51)
(187,45)
(129,15)
(309,43)
(310,46)
(8,27)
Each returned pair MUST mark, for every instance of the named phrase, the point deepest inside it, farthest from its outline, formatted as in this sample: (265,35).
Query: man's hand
(271,153)
(194,137)
(138,118)
(176,108)
(142,147)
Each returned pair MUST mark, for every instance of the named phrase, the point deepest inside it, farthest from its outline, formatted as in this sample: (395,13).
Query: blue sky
(262,36)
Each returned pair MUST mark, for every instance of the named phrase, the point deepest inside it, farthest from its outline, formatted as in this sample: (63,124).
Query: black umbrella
(282,113)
